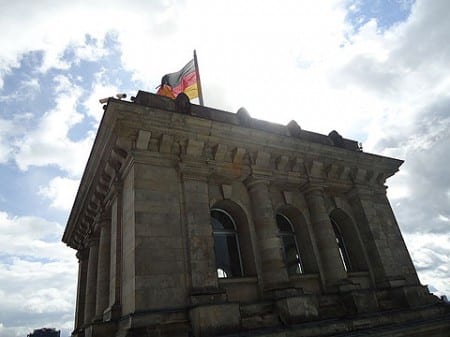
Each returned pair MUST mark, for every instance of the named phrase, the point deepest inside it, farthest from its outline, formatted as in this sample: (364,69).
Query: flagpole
(199,83)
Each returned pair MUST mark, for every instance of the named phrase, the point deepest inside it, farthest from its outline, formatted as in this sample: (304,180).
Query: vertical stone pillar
(104,261)
(91,280)
(274,273)
(199,239)
(331,265)
(113,311)
(82,256)
(390,262)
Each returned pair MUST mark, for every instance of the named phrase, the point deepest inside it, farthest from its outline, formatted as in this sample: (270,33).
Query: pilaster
(104,261)
(330,263)
(113,311)
(274,273)
(91,279)
(82,256)
(200,244)
(390,262)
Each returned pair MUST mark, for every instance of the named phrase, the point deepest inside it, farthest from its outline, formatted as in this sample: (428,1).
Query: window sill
(233,280)
(304,277)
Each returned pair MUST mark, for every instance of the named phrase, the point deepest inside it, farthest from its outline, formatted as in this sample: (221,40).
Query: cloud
(37,275)
(49,143)
(431,256)
(385,85)
(6,130)
(61,191)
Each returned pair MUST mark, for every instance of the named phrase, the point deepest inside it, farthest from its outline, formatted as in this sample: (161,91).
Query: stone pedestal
(215,319)
(294,310)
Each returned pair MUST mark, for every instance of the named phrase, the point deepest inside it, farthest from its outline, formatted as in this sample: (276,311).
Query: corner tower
(190,221)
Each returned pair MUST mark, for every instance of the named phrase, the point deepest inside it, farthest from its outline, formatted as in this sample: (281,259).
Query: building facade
(190,221)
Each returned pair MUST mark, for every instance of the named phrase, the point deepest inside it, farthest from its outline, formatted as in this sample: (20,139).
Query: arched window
(290,251)
(226,244)
(342,246)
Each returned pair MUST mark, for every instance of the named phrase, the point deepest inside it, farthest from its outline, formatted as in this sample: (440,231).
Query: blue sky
(376,71)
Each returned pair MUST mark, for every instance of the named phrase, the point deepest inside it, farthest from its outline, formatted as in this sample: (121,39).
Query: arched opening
(226,244)
(290,217)
(348,241)
(232,243)
(290,252)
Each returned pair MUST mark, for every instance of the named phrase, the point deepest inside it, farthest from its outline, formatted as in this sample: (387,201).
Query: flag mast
(199,83)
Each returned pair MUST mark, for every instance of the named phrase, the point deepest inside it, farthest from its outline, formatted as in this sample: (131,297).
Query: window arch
(348,240)
(343,252)
(290,251)
(226,244)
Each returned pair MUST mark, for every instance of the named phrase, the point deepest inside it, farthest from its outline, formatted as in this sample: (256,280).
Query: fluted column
(91,280)
(331,265)
(82,256)
(273,269)
(103,268)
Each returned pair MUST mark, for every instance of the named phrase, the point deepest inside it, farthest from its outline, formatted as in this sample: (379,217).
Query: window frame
(342,246)
(227,233)
(300,270)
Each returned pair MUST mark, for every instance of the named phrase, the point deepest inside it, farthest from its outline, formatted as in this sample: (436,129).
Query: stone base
(112,313)
(298,309)
(100,329)
(215,319)
(417,296)
(208,296)
(360,302)
(78,333)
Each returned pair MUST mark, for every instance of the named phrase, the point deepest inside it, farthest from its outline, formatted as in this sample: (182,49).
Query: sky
(377,71)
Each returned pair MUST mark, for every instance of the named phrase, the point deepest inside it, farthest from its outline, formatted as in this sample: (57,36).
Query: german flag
(184,80)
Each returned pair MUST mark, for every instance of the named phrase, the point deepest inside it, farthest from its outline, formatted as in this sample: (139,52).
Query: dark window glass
(291,256)
(342,247)
(226,245)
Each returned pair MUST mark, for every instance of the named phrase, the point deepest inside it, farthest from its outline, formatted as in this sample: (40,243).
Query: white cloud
(49,143)
(61,191)
(431,256)
(37,275)
(6,130)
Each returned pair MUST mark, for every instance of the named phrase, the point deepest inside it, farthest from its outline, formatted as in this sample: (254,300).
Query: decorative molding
(143,139)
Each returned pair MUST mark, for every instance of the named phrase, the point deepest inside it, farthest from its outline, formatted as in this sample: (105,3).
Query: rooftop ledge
(182,105)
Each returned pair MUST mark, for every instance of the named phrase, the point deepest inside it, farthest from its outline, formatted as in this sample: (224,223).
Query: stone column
(114,309)
(390,262)
(331,265)
(199,238)
(274,273)
(91,280)
(82,256)
(104,260)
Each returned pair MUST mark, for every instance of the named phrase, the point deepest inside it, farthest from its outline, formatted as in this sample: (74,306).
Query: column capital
(254,180)
(82,254)
(193,171)
(313,186)
(93,240)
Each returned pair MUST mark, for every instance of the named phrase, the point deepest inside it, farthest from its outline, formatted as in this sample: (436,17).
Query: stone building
(191,221)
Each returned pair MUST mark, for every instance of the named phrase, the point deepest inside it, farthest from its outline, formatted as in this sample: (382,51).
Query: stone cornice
(222,146)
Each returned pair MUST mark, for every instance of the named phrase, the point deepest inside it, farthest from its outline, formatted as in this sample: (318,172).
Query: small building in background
(191,221)
(45,332)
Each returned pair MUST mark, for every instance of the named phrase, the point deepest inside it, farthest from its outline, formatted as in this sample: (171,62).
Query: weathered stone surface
(211,320)
(337,265)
